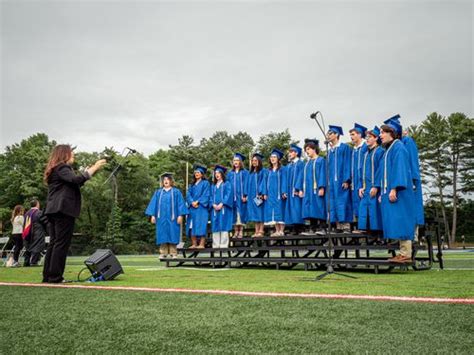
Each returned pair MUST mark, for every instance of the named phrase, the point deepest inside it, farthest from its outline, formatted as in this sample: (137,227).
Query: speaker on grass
(104,263)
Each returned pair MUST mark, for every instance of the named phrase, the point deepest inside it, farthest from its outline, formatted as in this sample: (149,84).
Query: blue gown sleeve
(205,195)
(398,175)
(245,178)
(151,209)
(180,204)
(212,191)
(261,177)
(346,158)
(189,195)
(412,150)
(378,161)
(321,173)
(263,188)
(228,200)
(299,175)
(284,180)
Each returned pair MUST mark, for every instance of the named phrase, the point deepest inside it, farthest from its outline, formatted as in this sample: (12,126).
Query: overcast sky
(142,74)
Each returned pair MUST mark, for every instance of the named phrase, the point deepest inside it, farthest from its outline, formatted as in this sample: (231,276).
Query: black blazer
(64,193)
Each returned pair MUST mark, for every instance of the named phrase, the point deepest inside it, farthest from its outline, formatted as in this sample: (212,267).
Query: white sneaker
(162,256)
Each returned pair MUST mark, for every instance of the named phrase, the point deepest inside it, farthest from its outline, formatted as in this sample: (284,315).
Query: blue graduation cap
(220,168)
(277,152)
(200,168)
(239,156)
(258,156)
(396,126)
(374,131)
(296,149)
(336,129)
(393,118)
(359,128)
(166,175)
(312,141)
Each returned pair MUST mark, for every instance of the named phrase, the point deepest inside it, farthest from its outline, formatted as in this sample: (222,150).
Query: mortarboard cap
(239,156)
(296,149)
(336,129)
(220,168)
(200,168)
(312,141)
(166,175)
(359,128)
(277,152)
(258,156)
(393,118)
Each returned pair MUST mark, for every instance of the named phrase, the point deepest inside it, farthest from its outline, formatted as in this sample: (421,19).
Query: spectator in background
(17,230)
(34,231)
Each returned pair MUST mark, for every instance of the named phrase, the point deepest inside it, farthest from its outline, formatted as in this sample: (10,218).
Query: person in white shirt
(17,231)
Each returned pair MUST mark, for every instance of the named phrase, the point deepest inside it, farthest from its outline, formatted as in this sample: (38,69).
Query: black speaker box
(104,263)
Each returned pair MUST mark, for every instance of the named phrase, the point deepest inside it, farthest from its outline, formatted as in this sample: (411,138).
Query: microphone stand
(113,174)
(330,266)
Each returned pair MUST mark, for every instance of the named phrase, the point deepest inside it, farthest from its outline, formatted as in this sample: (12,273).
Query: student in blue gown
(412,149)
(339,160)
(396,189)
(370,215)
(314,187)
(294,171)
(221,213)
(197,200)
(166,209)
(255,189)
(275,193)
(237,178)
(359,148)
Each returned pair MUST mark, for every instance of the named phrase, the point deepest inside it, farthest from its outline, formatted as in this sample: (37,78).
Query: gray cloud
(142,74)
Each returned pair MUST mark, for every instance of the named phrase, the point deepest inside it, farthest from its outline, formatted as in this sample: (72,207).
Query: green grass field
(101,321)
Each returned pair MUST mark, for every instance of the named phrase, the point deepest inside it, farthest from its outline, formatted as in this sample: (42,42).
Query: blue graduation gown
(255,186)
(357,155)
(370,215)
(314,178)
(275,187)
(339,160)
(412,149)
(293,204)
(198,217)
(238,181)
(166,207)
(221,220)
(398,218)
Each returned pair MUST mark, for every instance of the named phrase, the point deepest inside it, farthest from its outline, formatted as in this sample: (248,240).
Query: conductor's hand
(153,219)
(97,166)
(179,220)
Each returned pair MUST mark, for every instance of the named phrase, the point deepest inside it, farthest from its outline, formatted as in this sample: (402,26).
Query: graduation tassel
(315,183)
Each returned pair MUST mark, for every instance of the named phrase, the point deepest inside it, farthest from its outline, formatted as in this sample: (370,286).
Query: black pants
(18,245)
(61,228)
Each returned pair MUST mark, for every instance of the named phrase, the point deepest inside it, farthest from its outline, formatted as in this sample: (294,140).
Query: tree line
(112,213)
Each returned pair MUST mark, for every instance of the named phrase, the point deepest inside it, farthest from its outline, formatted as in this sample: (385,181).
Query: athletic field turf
(104,321)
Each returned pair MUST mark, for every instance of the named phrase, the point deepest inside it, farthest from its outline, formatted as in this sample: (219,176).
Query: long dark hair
(214,180)
(258,168)
(241,165)
(59,155)
(17,210)
(271,165)
(193,181)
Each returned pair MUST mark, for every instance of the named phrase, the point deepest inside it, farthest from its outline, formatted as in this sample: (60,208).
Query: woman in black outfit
(63,205)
